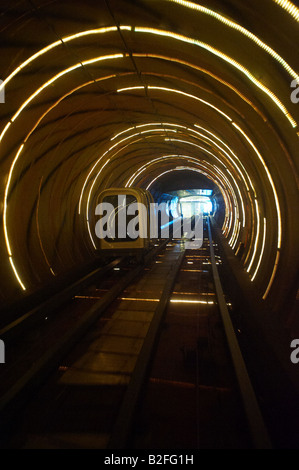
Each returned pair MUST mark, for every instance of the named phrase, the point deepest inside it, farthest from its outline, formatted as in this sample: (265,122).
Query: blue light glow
(195,205)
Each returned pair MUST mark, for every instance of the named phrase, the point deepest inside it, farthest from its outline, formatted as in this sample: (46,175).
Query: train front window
(118,220)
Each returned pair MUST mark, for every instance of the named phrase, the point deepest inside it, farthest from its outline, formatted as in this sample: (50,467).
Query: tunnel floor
(190,399)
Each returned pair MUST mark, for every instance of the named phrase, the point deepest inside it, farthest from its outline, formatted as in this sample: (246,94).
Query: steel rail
(257,427)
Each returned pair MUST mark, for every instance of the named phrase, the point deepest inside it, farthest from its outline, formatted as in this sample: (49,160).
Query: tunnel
(170,96)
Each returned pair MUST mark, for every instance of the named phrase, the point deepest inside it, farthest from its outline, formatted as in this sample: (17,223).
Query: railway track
(157,366)
(37,339)
(198,394)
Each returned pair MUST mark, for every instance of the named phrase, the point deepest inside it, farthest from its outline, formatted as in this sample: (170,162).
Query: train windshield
(119,220)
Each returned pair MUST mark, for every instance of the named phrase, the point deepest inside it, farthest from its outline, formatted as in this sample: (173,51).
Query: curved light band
(279,228)
(163,33)
(262,251)
(227,59)
(101,30)
(231,24)
(289,7)
(48,48)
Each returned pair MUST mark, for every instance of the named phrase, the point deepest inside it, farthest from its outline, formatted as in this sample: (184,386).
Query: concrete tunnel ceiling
(126,93)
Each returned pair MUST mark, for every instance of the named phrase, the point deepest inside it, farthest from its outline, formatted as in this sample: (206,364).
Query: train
(130,222)
(125,225)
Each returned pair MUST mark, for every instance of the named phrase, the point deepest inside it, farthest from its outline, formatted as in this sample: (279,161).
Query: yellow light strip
(144,167)
(270,180)
(45,50)
(54,78)
(131,88)
(51,81)
(132,179)
(43,87)
(130,137)
(227,59)
(28,61)
(89,32)
(5,200)
(87,178)
(137,299)
(207,103)
(69,93)
(230,222)
(58,76)
(205,150)
(239,161)
(234,233)
(261,254)
(206,72)
(256,236)
(197,146)
(223,177)
(123,132)
(217,182)
(285,4)
(61,74)
(289,7)
(57,103)
(109,150)
(95,179)
(88,203)
(233,162)
(273,275)
(226,221)
(90,235)
(5,130)
(240,196)
(203,302)
(92,186)
(237,236)
(149,124)
(236,208)
(59,43)
(16,273)
(21,148)
(159,176)
(141,169)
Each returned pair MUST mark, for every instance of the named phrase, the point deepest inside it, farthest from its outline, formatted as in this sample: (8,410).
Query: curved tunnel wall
(123,93)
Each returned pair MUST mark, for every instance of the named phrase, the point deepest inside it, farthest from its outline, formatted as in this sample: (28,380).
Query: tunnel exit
(196,205)
(192,202)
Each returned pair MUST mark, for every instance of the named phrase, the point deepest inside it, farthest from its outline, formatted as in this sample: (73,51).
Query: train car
(124,223)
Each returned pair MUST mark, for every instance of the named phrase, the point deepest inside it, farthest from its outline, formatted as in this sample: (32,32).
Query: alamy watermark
(295,93)
(295,353)
(2,352)
(136,220)
(2,92)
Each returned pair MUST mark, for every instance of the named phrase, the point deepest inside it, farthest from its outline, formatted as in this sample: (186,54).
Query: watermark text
(123,222)
(295,93)
(2,352)
(295,352)
(2,92)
